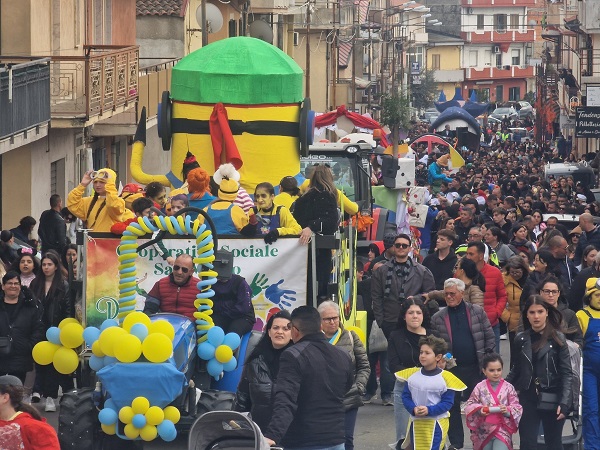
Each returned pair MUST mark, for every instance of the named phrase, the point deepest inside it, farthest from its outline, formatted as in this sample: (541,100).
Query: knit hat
(10,380)
(443,160)
(228,189)
(226,171)
(591,286)
(198,182)
(189,163)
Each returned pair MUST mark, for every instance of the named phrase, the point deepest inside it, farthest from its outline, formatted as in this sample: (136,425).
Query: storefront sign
(587,122)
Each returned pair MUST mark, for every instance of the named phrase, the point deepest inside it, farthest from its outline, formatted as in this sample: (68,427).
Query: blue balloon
(96,363)
(140,331)
(53,335)
(108,416)
(232,340)
(167,431)
(216,335)
(110,403)
(108,323)
(91,335)
(214,368)
(108,360)
(206,351)
(230,365)
(139,421)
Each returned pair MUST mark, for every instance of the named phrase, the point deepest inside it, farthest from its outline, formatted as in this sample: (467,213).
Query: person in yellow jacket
(273,220)
(288,192)
(105,208)
(350,207)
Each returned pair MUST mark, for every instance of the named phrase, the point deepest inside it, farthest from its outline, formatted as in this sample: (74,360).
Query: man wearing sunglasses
(395,281)
(177,292)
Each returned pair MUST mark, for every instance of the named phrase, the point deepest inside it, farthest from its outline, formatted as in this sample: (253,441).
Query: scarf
(336,337)
(401,270)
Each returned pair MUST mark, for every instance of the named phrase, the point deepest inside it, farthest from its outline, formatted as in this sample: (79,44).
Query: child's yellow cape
(452,381)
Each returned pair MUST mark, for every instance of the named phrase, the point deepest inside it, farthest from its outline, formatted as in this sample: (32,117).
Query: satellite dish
(261,30)
(214,18)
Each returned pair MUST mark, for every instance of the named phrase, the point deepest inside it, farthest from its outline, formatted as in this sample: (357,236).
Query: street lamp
(432,21)
(421,9)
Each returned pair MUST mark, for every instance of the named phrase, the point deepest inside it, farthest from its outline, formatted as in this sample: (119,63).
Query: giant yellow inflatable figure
(238,100)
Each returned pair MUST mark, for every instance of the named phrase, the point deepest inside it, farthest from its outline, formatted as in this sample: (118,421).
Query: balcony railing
(491,73)
(154,80)
(589,64)
(24,96)
(95,84)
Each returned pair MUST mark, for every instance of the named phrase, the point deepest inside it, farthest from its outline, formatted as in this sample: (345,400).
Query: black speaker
(389,169)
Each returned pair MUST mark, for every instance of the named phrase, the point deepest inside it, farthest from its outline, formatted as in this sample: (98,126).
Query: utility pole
(307,89)
(204,24)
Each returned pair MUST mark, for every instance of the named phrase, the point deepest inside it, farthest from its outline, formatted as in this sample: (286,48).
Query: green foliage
(530,97)
(395,110)
(482,95)
(424,94)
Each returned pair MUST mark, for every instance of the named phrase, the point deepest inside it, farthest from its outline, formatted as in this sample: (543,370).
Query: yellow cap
(591,286)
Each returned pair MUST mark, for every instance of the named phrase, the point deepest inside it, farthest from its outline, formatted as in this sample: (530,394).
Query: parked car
(526,110)
(579,171)
(502,112)
(520,135)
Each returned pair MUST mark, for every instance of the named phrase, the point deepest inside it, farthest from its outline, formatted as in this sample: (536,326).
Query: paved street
(374,429)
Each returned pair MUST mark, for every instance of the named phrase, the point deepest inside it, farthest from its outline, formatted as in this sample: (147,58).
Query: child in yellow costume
(103,209)
(229,218)
(428,396)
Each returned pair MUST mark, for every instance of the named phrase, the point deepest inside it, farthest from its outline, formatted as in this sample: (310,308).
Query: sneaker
(50,405)
(366,399)
(386,400)
(35,397)
(504,337)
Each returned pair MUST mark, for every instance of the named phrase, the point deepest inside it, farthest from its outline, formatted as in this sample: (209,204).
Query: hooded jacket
(351,344)
(99,213)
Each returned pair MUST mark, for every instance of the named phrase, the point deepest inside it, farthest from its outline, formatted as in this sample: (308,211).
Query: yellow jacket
(285,199)
(289,226)
(105,212)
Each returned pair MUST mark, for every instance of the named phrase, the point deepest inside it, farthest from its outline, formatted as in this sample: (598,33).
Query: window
(473,59)
(500,22)
(499,60)
(514,21)
(487,58)
(480,21)
(514,94)
(435,62)
(516,57)
(500,93)
(57,177)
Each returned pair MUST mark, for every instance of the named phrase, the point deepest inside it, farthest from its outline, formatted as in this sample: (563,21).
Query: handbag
(547,401)
(377,340)
(5,345)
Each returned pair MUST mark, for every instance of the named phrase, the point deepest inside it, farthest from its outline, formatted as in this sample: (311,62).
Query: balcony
(498,37)
(154,80)
(272,6)
(498,3)
(589,65)
(89,88)
(449,76)
(493,73)
(24,102)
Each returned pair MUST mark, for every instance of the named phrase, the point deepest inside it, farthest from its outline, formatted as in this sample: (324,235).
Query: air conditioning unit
(506,67)
(469,10)
(496,49)
(296,39)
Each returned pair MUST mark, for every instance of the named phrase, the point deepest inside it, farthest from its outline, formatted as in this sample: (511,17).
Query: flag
(456,158)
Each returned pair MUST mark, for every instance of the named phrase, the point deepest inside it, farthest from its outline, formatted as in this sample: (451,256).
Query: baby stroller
(226,430)
(572,439)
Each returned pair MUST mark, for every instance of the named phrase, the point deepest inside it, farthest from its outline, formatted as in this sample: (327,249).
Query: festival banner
(275,272)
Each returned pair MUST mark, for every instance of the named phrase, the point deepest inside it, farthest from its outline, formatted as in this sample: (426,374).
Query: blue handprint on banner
(280,297)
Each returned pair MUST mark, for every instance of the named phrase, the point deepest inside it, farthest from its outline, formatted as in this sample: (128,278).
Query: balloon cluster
(141,420)
(218,351)
(138,337)
(58,349)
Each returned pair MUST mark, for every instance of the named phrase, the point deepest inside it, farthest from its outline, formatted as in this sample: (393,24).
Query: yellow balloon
(126,414)
(131,432)
(109,337)
(109,429)
(172,414)
(96,350)
(223,353)
(133,318)
(128,349)
(148,433)
(67,321)
(65,360)
(71,335)
(43,352)
(163,327)
(157,347)
(140,405)
(154,415)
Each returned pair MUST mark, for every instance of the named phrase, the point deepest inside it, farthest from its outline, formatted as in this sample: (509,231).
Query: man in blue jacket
(314,376)
(435,174)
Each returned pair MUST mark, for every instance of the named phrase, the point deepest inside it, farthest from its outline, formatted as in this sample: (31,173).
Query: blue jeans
(496,329)
(400,413)
(350,423)
(335,447)
(386,379)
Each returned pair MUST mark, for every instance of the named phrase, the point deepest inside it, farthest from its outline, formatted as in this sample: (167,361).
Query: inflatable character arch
(238,100)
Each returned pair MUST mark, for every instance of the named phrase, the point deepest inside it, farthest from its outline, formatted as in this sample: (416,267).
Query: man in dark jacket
(578,287)
(314,376)
(441,263)
(52,229)
(558,247)
(590,236)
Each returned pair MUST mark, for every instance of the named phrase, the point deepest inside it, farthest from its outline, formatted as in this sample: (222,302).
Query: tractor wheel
(78,426)
(212,400)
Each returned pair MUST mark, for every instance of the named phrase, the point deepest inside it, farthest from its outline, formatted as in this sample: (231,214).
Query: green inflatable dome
(239,70)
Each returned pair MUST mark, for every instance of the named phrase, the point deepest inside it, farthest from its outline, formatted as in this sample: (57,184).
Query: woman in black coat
(542,370)
(317,212)
(52,290)
(256,386)
(21,319)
